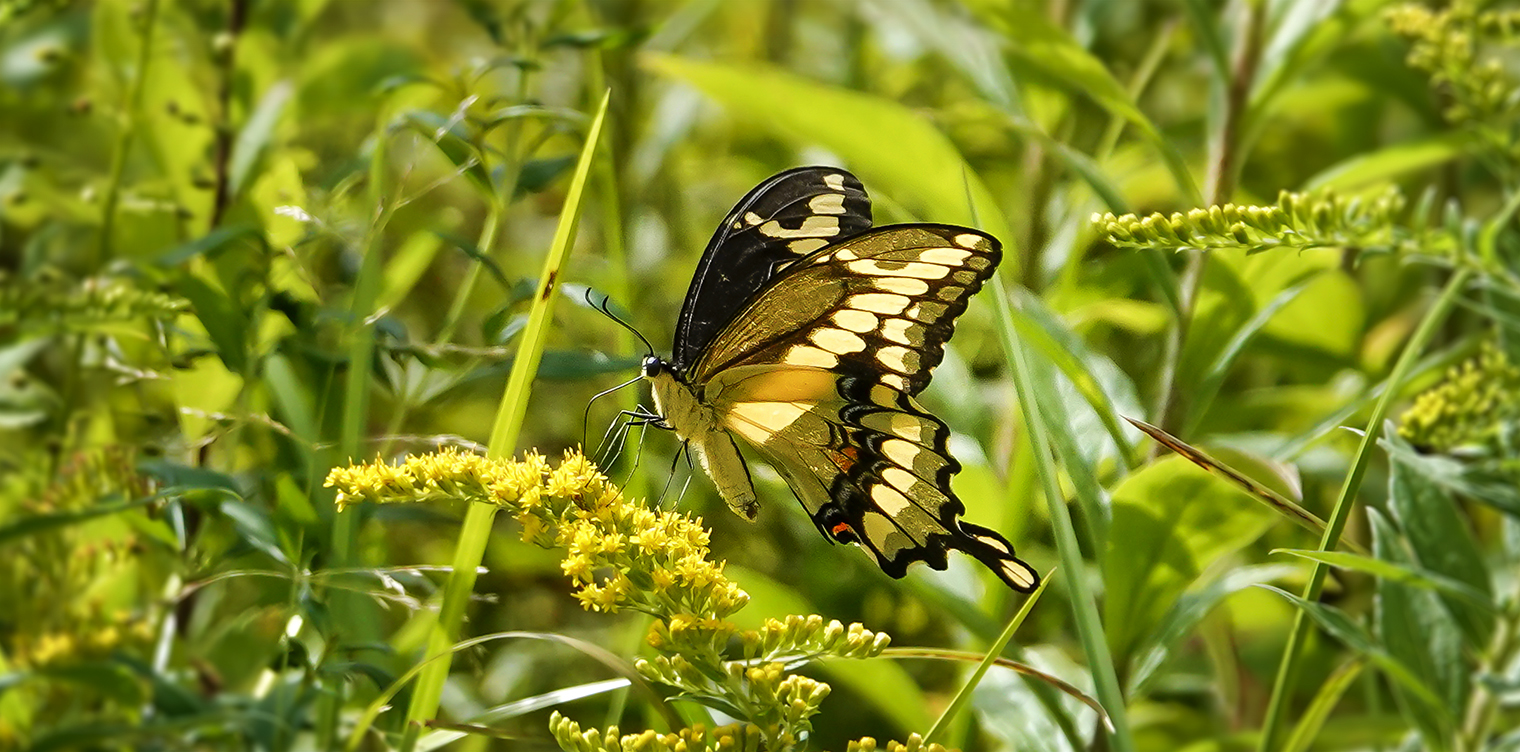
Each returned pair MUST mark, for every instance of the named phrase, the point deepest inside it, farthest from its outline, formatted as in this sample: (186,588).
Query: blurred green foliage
(243,242)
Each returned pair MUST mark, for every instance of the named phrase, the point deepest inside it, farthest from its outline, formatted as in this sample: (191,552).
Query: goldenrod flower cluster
(54,631)
(730,738)
(1446,45)
(1472,407)
(621,555)
(735,737)
(1297,220)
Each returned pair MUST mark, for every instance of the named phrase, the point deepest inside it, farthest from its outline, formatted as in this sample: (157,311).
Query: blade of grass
(1275,725)
(514,404)
(963,697)
(1084,605)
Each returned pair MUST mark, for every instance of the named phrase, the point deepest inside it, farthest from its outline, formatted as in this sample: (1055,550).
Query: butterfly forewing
(880,305)
(789,216)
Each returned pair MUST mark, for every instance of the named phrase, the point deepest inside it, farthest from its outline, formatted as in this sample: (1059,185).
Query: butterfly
(805,335)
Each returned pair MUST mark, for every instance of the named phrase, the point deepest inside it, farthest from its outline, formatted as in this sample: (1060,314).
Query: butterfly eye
(652,367)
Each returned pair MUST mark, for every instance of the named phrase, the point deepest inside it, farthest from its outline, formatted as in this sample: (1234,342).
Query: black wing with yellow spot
(818,373)
(785,218)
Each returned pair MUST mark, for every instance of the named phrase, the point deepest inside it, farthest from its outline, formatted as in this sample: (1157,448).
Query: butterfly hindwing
(868,463)
(785,218)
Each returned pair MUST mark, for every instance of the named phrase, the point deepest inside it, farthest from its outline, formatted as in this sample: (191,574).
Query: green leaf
(1177,519)
(1340,626)
(454,141)
(211,244)
(1188,611)
(1438,536)
(1418,632)
(1378,167)
(1107,396)
(538,174)
(256,135)
(1403,574)
(225,322)
(1325,700)
(893,149)
(406,266)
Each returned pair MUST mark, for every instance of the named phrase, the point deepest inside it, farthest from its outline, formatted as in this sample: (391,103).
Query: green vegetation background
(245,242)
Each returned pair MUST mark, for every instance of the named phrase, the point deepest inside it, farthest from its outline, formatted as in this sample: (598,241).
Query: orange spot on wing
(840,528)
(845,458)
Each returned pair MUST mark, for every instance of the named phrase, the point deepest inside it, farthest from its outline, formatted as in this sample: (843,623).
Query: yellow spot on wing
(805,246)
(894,381)
(804,355)
(878,302)
(752,218)
(827,203)
(903,480)
(898,358)
(812,227)
(912,428)
(899,269)
(855,321)
(835,181)
(902,285)
(837,341)
(968,240)
(888,499)
(902,331)
(946,256)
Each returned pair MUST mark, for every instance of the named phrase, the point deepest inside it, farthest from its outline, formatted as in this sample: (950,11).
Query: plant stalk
(1275,726)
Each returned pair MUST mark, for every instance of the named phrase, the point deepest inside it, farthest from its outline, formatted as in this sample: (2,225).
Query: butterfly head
(655,366)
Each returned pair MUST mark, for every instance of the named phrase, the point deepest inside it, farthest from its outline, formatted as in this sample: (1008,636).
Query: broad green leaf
(1343,628)
(1416,629)
(1327,317)
(223,319)
(202,391)
(279,198)
(1177,519)
(1441,542)
(1378,167)
(453,139)
(256,135)
(1106,397)
(893,149)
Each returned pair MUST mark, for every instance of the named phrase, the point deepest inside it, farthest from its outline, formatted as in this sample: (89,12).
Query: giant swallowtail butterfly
(806,334)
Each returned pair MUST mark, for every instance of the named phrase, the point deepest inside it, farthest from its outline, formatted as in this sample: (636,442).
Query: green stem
(476,530)
(1276,723)
(128,132)
(1224,170)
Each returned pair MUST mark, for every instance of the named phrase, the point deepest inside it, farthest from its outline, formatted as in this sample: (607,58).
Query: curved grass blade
(476,529)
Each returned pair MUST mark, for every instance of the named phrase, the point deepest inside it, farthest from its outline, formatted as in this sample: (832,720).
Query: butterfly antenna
(606,308)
